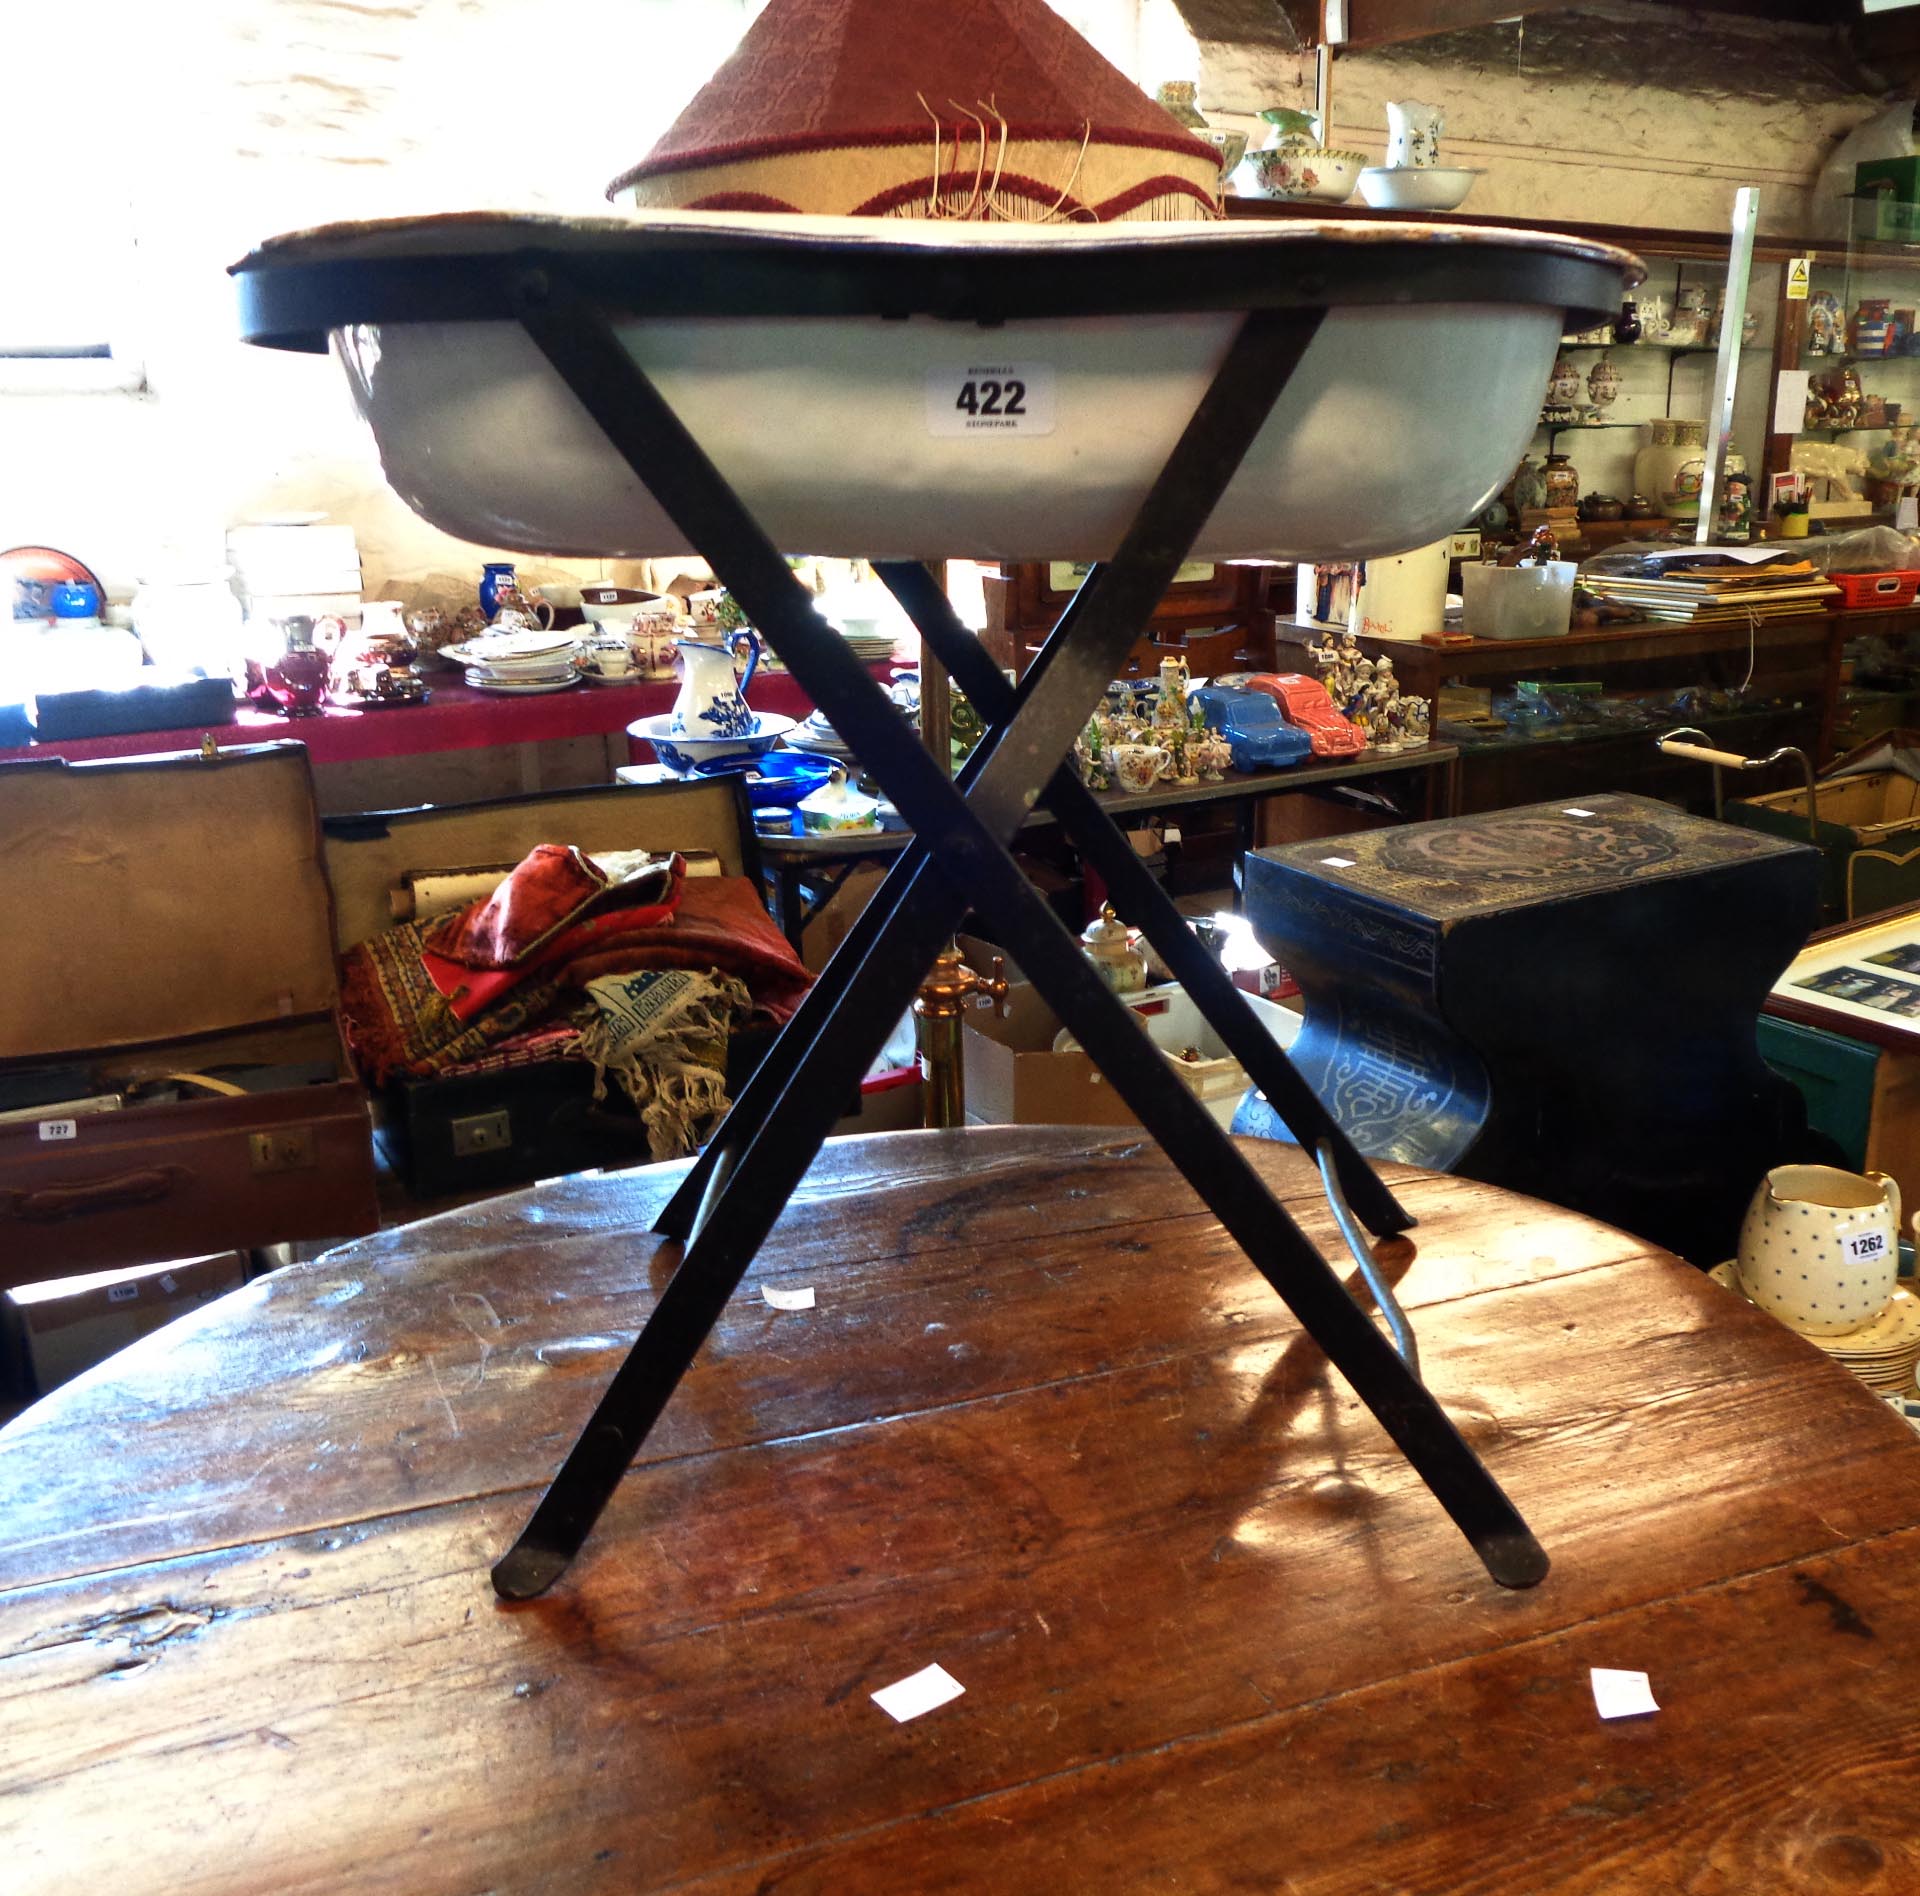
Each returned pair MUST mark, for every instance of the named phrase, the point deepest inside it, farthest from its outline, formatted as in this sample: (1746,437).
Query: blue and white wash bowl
(678,751)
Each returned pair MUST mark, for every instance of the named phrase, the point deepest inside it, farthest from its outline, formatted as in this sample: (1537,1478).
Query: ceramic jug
(711,702)
(1413,133)
(1820,1247)
(652,637)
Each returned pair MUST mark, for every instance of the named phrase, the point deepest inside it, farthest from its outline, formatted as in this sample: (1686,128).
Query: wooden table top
(1044,1427)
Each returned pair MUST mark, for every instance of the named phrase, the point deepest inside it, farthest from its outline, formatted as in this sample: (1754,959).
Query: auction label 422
(991,399)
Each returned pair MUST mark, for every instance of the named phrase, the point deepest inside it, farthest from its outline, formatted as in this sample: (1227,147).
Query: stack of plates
(517,662)
(871,648)
(816,734)
(1884,1355)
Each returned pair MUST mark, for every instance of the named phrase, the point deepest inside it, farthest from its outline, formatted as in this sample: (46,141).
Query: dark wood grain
(1044,1427)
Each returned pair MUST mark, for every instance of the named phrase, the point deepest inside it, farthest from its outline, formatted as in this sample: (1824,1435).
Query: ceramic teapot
(712,703)
(1118,959)
(1820,1247)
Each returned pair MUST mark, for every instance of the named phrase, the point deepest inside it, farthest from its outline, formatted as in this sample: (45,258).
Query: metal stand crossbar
(961,860)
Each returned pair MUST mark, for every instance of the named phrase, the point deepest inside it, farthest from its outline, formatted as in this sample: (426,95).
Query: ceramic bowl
(1415,187)
(1306,174)
(615,605)
(688,753)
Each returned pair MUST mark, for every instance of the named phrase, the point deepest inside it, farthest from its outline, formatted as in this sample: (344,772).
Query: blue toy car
(1251,722)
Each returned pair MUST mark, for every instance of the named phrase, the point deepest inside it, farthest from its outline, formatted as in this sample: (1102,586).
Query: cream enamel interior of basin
(1399,424)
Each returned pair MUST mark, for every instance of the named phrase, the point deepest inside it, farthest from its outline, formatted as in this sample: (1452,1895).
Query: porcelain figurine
(1413,133)
(1603,382)
(1826,328)
(1212,755)
(1654,323)
(712,703)
(1090,757)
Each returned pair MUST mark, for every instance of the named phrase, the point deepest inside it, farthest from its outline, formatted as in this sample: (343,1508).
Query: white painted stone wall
(217,122)
(1625,114)
(220,122)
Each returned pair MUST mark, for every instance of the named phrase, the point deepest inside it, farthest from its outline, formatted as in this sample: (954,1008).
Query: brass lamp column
(948,991)
(951,986)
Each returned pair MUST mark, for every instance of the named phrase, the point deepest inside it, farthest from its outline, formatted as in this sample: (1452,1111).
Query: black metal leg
(1141,900)
(965,857)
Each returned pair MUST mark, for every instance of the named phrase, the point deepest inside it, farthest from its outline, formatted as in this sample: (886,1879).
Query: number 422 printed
(991,400)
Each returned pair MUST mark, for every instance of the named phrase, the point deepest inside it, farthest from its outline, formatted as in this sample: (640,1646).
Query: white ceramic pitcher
(711,703)
(1820,1247)
(1413,133)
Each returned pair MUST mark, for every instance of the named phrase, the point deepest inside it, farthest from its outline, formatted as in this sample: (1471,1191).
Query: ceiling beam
(1382,22)
(1291,25)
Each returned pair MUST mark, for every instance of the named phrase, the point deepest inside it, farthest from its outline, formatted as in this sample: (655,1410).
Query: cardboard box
(52,1331)
(1014,1077)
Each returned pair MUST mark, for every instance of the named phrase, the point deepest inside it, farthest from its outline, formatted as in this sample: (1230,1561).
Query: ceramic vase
(1603,382)
(1562,480)
(1564,386)
(495,579)
(1670,445)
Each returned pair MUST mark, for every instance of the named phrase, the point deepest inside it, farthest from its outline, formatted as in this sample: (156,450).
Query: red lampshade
(952,108)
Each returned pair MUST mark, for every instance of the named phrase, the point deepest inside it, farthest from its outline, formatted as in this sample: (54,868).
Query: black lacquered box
(1561,999)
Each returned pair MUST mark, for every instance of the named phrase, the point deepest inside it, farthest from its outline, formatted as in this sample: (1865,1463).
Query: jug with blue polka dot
(1820,1247)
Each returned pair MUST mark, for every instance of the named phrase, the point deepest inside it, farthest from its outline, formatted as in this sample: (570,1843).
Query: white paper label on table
(991,400)
(1336,862)
(908,1698)
(1573,812)
(788,1299)
(1790,400)
(1621,1694)
(57,1129)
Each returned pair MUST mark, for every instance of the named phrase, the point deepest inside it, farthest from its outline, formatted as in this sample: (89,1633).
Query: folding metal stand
(960,860)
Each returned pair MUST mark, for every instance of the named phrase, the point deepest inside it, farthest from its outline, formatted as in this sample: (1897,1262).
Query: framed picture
(1861,980)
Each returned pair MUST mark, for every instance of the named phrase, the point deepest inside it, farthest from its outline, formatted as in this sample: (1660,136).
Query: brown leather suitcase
(170,915)
(462,1133)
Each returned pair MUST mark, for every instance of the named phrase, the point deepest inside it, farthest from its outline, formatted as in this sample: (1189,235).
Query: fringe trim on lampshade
(980,169)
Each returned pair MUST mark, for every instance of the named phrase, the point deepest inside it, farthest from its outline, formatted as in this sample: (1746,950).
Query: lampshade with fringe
(974,109)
